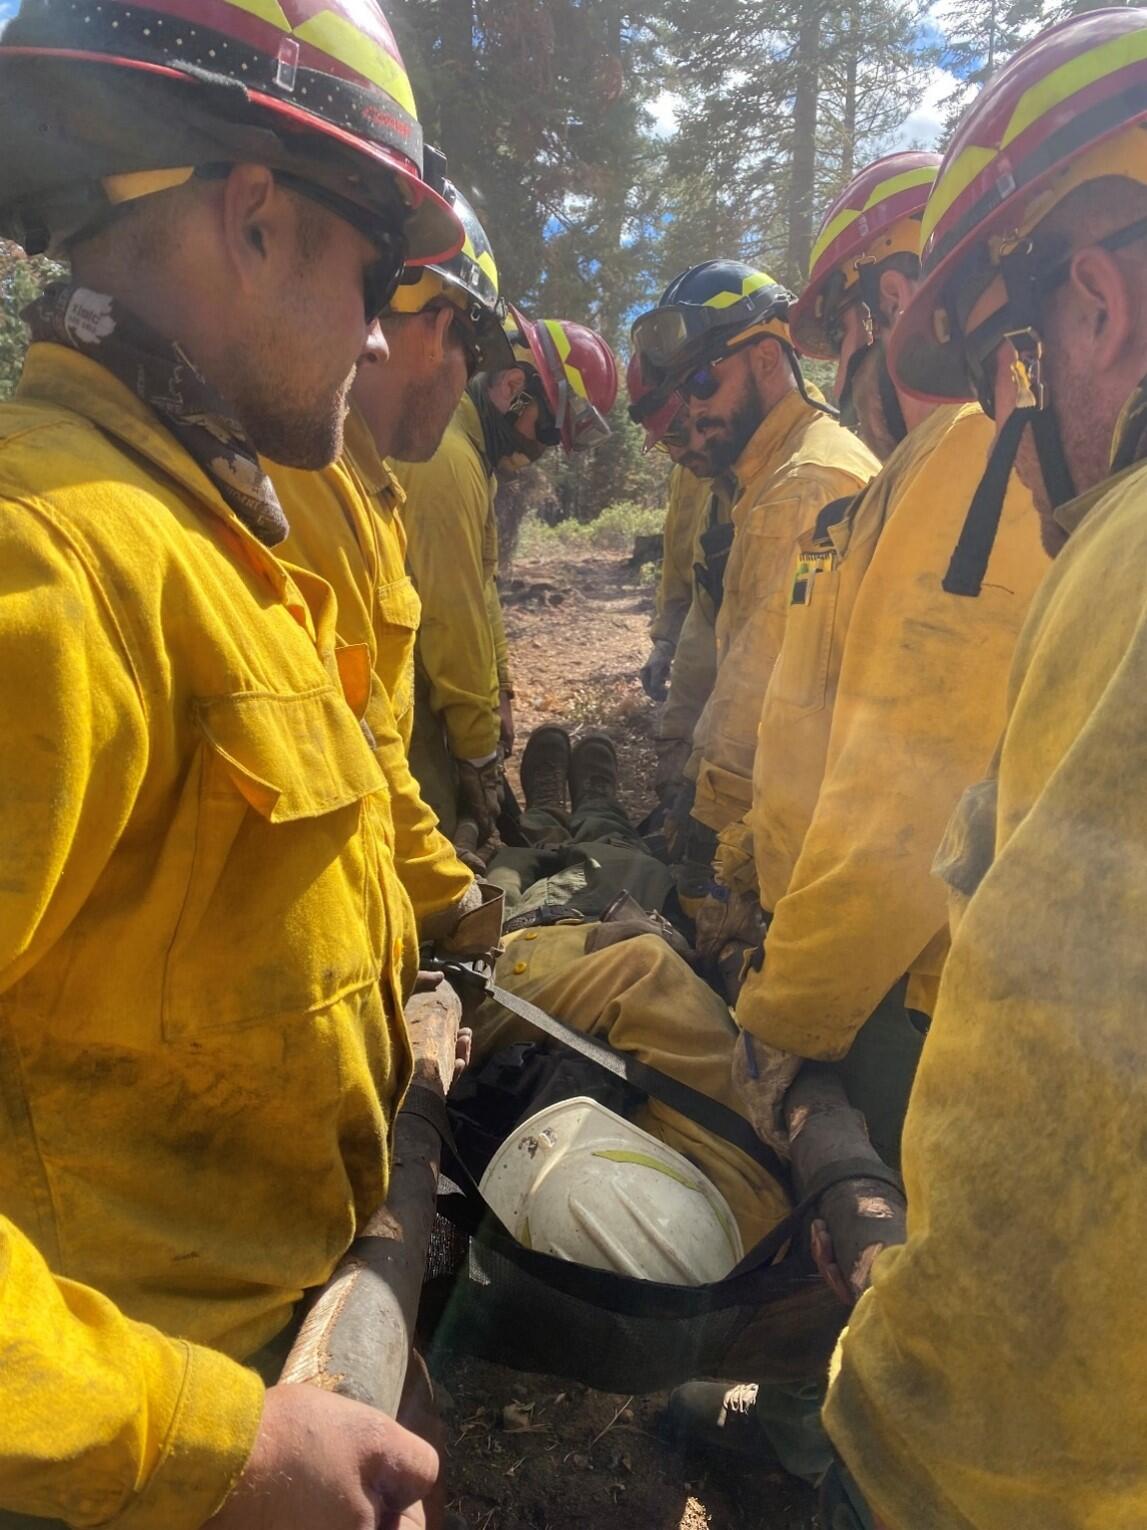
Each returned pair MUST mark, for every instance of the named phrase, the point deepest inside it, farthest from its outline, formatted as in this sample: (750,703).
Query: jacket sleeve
(102,1420)
(694,671)
(675,587)
(433,876)
(447,505)
(918,708)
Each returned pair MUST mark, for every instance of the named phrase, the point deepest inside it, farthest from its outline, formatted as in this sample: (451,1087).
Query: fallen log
(864,1213)
(356,1337)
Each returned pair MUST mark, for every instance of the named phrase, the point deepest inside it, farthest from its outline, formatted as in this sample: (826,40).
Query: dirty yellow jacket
(919,704)
(688,500)
(798,460)
(695,657)
(758,854)
(453,556)
(345,527)
(993,1377)
(201,1035)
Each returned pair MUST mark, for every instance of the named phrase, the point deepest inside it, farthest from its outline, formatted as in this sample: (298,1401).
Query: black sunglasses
(381,278)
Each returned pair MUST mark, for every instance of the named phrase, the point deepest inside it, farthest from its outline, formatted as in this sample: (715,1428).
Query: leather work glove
(761,1076)
(466,846)
(724,917)
(506,722)
(480,792)
(625,919)
(654,673)
(669,772)
(477,931)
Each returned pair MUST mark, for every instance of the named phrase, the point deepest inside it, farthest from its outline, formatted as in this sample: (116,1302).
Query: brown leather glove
(480,793)
(654,673)
(625,919)
(669,772)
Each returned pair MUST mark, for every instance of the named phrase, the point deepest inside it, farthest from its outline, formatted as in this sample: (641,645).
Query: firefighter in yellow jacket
(562,383)
(852,789)
(443,324)
(720,336)
(991,1377)
(202,931)
(682,663)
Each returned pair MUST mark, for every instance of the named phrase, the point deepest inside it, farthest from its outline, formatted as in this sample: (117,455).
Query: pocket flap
(399,604)
(293,756)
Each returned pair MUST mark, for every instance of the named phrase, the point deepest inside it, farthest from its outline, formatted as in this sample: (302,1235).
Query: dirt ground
(535,1452)
(578,633)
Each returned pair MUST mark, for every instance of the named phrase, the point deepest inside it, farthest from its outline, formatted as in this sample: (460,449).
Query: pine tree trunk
(802,177)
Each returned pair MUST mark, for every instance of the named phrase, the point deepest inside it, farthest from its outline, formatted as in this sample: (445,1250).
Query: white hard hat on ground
(578,1181)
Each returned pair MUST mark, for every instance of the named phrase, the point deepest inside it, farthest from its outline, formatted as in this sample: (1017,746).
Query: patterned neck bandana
(1129,443)
(159,372)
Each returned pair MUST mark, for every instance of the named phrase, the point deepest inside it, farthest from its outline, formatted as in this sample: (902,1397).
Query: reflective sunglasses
(703,381)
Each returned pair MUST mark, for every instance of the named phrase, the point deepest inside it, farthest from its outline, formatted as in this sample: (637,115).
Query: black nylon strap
(969,562)
(696,1107)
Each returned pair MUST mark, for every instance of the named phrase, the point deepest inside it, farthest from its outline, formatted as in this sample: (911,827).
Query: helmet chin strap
(969,562)
(889,398)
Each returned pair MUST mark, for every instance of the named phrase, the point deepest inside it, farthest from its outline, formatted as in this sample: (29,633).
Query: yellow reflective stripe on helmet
(752,283)
(1045,96)
(485,262)
(562,344)
(336,36)
(340,39)
(923,175)
(646,1161)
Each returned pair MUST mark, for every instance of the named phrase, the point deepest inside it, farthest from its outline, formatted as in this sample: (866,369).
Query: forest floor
(529,1452)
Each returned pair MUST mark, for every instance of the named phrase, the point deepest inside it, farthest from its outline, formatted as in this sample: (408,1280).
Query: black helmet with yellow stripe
(469,279)
(709,310)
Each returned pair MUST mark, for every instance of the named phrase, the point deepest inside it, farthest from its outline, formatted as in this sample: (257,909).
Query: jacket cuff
(211,1436)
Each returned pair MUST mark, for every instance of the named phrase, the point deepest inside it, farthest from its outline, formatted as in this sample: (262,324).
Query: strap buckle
(1027,368)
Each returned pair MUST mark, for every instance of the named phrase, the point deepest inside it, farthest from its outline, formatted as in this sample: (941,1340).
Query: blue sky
(7,8)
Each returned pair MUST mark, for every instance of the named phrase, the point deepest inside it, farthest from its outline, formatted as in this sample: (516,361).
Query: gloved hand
(654,673)
(506,722)
(477,930)
(480,792)
(625,919)
(761,1076)
(669,772)
(726,916)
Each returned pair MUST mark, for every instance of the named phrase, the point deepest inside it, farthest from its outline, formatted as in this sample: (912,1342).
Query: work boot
(546,767)
(717,1414)
(593,769)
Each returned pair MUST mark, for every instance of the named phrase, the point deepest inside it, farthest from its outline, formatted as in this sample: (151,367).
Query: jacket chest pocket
(399,612)
(800,678)
(283,912)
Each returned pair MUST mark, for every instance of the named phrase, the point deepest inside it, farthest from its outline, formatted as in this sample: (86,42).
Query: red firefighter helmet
(655,412)
(316,88)
(876,215)
(578,372)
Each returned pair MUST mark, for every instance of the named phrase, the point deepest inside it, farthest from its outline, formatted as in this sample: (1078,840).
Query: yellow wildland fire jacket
(919,705)
(798,460)
(453,555)
(993,1377)
(345,527)
(201,939)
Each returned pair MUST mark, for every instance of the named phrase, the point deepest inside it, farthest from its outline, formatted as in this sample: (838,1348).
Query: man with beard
(200,994)
(558,390)
(720,337)
(992,1376)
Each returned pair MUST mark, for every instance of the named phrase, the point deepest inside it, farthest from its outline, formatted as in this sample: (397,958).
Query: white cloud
(924,125)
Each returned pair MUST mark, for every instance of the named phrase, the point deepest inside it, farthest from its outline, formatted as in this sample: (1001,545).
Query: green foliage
(614,530)
(21,280)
